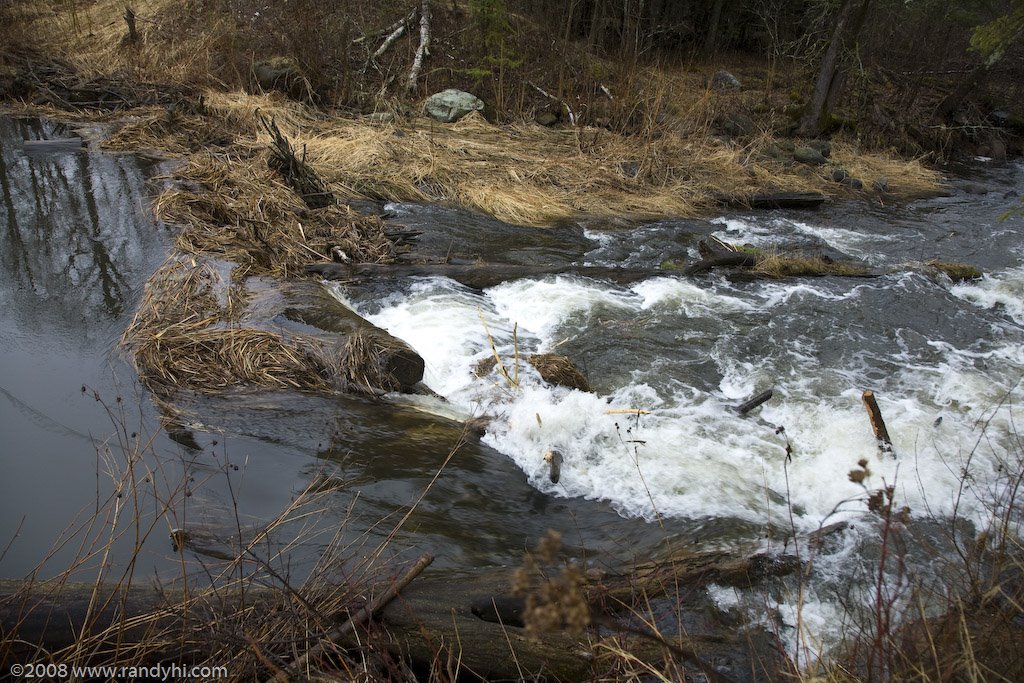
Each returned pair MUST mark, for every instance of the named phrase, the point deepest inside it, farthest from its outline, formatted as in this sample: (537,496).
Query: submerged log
(734,259)
(472,275)
(754,402)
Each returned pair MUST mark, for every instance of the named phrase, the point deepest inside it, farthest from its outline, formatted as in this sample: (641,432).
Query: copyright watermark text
(156,672)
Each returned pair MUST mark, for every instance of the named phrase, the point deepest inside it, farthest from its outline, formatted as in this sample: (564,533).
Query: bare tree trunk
(711,38)
(810,124)
(423,50)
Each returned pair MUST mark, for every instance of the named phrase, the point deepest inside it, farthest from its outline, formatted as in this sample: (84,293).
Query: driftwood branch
(424,48)
(877,423)
(360,617)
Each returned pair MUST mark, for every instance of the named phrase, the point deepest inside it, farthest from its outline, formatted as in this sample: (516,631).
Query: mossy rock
(955,271)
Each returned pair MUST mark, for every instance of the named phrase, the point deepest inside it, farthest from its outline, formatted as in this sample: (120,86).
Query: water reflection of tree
(77,235)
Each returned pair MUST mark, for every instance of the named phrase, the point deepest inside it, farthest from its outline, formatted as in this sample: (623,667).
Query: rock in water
(451,105)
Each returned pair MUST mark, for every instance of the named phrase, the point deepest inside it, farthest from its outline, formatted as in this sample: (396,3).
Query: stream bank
(224,216)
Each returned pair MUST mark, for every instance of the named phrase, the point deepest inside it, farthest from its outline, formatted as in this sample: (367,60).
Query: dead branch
(423,50)
(360,617)
(877,423)
(545,93)
(397,30)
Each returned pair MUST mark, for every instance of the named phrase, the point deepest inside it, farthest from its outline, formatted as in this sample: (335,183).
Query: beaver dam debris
(199,329)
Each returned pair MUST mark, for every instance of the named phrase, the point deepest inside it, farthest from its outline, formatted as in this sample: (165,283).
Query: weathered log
(735,259)
(877,423)
(474,275)
(436,616)
(41,620)
(361,353)
(783,200)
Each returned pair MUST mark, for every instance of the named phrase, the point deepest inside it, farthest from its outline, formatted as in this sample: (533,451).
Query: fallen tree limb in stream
(357,619)
(878,423)
(433,617)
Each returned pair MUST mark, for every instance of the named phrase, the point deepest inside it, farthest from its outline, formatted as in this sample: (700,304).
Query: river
(654,453)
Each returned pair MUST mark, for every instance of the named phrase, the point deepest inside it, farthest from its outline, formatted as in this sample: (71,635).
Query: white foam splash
(1002,291)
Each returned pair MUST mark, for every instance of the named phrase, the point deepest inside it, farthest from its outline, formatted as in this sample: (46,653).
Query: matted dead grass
(185,335)
(233,206)
(531,175)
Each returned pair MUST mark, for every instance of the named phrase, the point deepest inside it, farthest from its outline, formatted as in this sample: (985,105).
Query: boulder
(736,124)
(881,184)
(808,155)
(723,80)
(853,183)
(840,174)
(451,105)
(281,74)
(822,146)
(547,118)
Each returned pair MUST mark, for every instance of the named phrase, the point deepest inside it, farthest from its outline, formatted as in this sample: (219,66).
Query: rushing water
(668,357)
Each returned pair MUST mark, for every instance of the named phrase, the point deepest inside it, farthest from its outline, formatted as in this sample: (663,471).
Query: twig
(357,619)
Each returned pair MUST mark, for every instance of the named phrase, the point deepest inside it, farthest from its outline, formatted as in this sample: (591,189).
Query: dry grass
(559,370)
(186,335)
(777,264)
(233,206)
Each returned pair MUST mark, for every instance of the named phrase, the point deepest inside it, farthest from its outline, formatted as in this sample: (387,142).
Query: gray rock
(840,174)
(823,146)
(547,118)
(281,74)
(736,124)
(853,183)
(881,184)
(723,80)
(451,105)
(808,155)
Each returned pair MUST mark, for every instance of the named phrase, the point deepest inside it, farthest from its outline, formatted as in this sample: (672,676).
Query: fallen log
(434,618)
(754,402)
(735,259)
(362,354)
